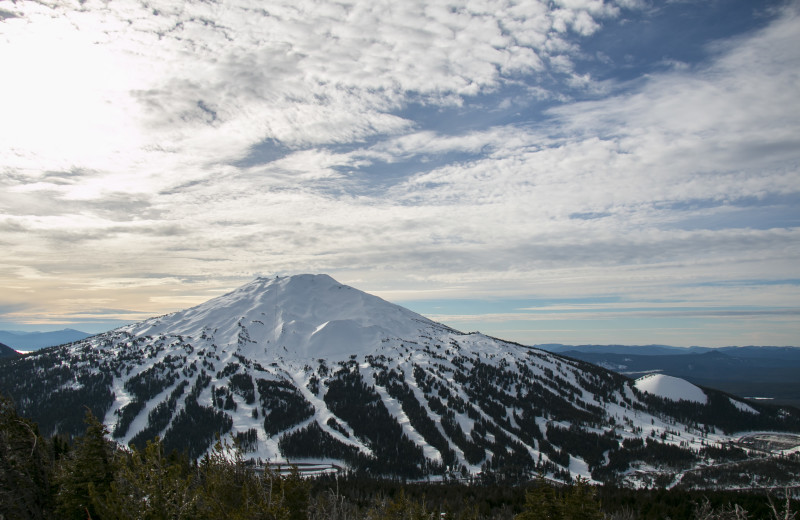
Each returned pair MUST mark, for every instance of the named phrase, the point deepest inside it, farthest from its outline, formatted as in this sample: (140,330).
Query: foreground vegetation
(92,477)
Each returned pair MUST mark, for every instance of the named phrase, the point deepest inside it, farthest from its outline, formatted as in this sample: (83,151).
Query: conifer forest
(92,477)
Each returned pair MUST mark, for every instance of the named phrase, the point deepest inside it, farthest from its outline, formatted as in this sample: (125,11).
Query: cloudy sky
(574,171)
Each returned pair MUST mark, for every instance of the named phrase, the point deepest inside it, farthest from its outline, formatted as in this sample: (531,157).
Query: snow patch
(672,388)
(744,407)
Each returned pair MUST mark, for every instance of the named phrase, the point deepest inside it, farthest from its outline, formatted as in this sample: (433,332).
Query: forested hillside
(95,478)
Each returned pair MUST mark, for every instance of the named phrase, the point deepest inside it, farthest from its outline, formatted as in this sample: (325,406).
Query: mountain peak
(300,278)
(301,316)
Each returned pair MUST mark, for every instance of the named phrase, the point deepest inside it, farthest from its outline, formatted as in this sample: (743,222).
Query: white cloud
(723,132)
(132,148)
(113,81)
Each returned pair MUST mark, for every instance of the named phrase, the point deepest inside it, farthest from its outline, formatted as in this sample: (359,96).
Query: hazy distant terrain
(35,340)
(765,372)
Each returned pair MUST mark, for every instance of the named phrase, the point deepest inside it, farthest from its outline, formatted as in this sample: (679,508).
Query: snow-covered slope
(672,388)
(296,317)
(744,407)
(303,368)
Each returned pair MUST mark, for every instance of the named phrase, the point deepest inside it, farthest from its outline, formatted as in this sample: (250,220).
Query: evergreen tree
(233,491)
(541,503)
(88,469)
(25,467)
(580,502)
(148,486)
(330,505)
(400,508)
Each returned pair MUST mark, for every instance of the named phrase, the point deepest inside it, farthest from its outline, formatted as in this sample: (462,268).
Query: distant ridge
(641,350)
(36,340)
(750,351)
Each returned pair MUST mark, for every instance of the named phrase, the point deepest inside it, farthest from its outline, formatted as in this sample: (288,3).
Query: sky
(561,171)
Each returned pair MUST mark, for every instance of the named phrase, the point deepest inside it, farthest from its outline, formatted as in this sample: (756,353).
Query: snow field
(669,387)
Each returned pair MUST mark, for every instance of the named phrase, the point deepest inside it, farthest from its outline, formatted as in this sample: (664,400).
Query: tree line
(90,476)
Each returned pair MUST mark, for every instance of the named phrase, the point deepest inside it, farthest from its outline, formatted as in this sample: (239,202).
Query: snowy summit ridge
(305,316)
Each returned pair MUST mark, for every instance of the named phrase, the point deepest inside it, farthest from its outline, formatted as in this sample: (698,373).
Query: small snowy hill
(305,369)
(672,388)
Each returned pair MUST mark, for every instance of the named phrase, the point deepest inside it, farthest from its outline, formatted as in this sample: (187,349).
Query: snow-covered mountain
(303,368)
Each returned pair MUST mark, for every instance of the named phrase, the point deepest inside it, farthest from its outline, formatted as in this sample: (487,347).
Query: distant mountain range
(785,352)
(303,369)
(754,372)
(26,341)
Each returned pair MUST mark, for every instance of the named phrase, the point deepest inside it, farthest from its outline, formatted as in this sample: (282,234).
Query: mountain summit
(302,317)
(305,369)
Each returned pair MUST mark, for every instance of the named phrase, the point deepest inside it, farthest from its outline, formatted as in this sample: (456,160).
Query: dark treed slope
(7,352)
(92,477)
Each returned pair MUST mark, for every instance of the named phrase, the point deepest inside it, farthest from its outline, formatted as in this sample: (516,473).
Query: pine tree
(400,508)
(296,495)
(576,503)
(231,490)
(25,467)
(148,486)
(580,502)
(541,503)
(88,469)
